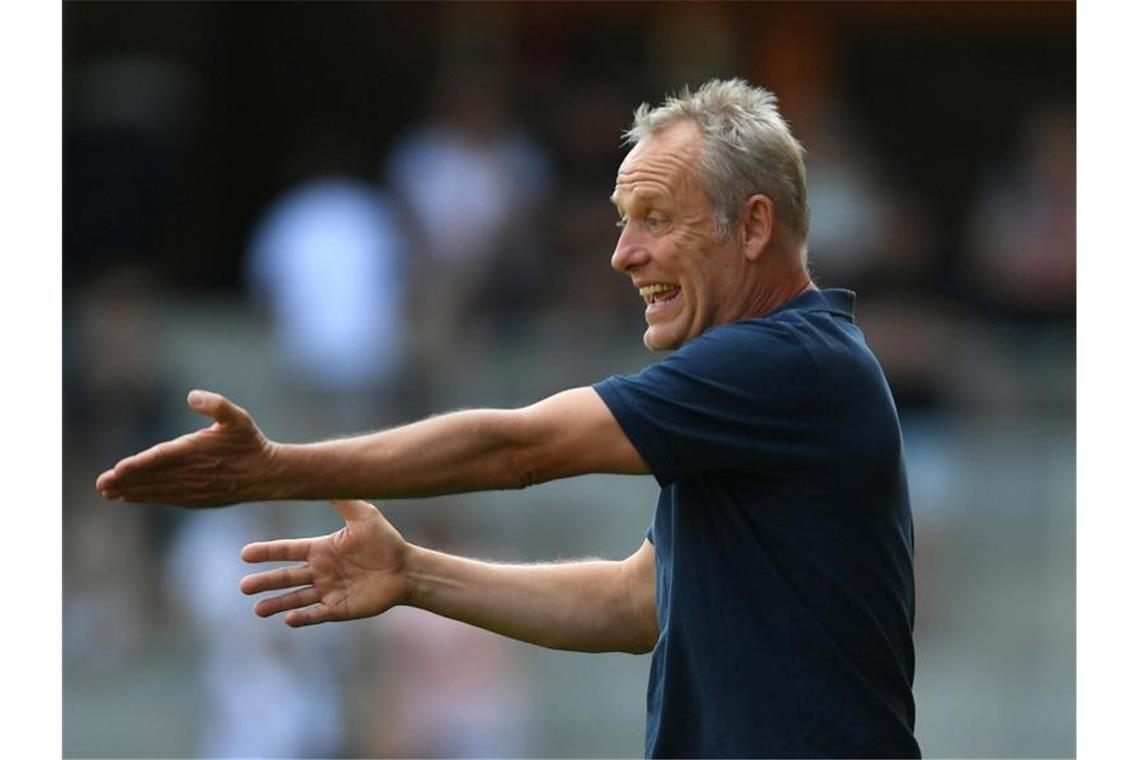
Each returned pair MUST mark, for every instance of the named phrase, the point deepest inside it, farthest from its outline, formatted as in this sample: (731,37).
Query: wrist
(417,575)
(273,484)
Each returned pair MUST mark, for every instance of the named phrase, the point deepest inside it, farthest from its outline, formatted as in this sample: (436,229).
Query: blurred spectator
(468,177)
(472,184)
(112,362)
(328,257)
(865,232)
(917,338)
(1021,249)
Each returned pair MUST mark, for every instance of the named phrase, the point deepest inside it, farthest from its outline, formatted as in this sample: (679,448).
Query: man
(775,587)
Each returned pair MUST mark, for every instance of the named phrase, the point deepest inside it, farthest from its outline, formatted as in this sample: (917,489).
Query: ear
(757,228)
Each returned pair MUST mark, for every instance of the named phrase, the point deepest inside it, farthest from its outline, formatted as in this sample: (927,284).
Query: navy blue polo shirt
(785,583)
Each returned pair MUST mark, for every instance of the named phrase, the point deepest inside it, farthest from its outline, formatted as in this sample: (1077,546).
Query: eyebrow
(639,196)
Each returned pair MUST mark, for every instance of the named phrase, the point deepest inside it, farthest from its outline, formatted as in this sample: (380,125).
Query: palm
(356,570)
(354,573)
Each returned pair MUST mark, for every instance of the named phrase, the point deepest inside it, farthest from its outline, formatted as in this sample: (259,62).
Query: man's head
(714,210)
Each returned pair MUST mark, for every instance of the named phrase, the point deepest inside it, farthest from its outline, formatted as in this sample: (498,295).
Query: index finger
(154,457)
(104,481)
(159,455)
(285,550)
(123,468)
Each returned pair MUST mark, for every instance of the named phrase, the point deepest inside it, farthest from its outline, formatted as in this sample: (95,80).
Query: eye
(621,223)
(654,222)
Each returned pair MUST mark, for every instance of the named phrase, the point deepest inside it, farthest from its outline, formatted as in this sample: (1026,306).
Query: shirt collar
(838,301)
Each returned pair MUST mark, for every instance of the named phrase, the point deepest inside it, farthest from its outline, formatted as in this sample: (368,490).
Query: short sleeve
(741,396)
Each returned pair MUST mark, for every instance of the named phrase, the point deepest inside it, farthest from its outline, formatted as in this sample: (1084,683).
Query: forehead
(660,163)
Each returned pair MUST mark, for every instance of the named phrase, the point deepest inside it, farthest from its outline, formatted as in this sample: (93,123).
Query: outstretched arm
(366,568)
(570,433)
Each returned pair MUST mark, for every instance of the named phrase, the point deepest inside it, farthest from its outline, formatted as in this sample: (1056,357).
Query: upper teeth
(650,290)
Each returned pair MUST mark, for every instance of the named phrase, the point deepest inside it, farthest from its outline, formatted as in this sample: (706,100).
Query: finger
(146,468)
(142,496)
(104,481)
(128,465)
(169,492)
(284,550)
(133,463)
(152,460)
(318,613)
(172,499)
(210,404)
(271,580)
(183,477)
(291,601)
(354,509)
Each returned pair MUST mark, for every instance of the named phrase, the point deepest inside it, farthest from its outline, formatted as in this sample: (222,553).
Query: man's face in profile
(668,243)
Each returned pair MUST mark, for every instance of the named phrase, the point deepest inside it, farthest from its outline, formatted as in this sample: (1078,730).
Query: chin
(655,340)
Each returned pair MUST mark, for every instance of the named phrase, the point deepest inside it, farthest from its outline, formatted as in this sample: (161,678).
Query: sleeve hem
(659,462)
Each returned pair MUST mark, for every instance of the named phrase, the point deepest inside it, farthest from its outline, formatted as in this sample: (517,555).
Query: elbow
(527,461)
(501,457)
(521,471)
(644,643)
(639,601)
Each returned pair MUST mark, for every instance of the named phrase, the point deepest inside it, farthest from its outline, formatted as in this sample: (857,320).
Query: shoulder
(743,363)
(745,346)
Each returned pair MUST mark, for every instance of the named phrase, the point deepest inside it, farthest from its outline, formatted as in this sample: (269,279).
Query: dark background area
(940,89)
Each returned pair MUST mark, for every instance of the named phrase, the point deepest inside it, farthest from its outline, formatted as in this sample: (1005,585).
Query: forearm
(473,450)
(570,433)
(589,606)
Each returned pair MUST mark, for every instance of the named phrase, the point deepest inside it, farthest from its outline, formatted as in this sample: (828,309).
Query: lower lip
(655,310)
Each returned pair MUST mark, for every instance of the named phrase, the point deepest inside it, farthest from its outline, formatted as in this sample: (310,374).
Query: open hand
(228,462)
(354,573)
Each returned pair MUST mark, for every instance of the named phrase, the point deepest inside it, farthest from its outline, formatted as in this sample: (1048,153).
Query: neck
(774,289)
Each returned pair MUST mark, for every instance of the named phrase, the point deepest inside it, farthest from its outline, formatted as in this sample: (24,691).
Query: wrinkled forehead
(662,161)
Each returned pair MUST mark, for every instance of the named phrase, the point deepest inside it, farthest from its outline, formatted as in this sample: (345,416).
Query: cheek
(689,239)
(686,254)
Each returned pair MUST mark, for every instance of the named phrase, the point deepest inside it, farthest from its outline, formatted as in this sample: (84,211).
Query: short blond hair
(747,149)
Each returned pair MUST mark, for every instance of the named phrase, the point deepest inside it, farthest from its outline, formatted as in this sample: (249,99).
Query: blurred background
(348,216)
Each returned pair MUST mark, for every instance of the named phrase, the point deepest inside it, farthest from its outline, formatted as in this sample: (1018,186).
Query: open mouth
(659,292)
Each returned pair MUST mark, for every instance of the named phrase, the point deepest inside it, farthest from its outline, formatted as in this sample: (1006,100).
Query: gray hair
(747,149)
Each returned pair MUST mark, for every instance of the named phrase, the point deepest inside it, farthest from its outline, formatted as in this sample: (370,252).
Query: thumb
(215,405)
(354,509)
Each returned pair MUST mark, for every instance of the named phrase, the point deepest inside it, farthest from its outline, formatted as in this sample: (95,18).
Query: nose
(629,253)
